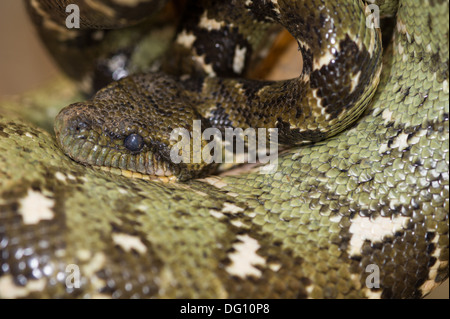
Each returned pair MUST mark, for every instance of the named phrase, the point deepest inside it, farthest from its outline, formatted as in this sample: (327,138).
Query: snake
(356,208)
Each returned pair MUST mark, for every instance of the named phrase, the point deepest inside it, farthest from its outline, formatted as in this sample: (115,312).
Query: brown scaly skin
(341,69)
(376,194)
(94,132)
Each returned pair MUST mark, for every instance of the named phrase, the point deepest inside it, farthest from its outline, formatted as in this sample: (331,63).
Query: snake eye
(134,143)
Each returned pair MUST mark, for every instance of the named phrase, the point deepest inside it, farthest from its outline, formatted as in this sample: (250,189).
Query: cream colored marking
(383,148)
(400,48)
(324,60)
(165,281)
(199,192)
(445,87)
(84,254)
(9,290)
(101,296)
(363,228)
(126,173)
(408,37)
(319,101)
(237,223)
(128,242)
(63,33)
(100,7)
(416,138)
(401,142)
(387,116)
(36,207)
(28,135)
(160,172)
(401,27)
(355,81)
(214,181)
(405,57)
(123,191)
(370,294)
(86,83)
(206,67)
(60,177)
(275,267)
(428,48)
(60,253)
(216,213)
(372,42)
(233,194)
(277,7)
(335,219)
(245,258)
(304,45)
(239,59)
(143,207)
(356,281)
(430,284)
(186,39)
(210,24)
(182,186)
(394,203)
(248,2)
(96,264)
(136,175)
(316,114)
(129,3)
(210,112)
(97,283)
(231,208)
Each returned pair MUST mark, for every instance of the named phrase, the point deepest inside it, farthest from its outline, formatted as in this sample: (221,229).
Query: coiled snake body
(371,200)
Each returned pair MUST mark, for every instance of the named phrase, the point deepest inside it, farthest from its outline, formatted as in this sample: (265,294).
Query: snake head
(126,127)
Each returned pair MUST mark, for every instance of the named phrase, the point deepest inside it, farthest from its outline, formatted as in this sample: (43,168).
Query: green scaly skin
(374,194)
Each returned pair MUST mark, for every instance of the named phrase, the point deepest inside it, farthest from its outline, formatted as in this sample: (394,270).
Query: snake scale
(369,189)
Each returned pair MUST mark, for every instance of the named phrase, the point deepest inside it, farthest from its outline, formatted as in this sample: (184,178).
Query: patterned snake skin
(372,197)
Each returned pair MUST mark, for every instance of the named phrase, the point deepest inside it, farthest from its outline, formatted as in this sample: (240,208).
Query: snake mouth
(136,175)
(85,145)
(141,166)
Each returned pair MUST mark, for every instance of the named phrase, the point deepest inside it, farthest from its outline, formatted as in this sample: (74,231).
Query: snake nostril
(80,125)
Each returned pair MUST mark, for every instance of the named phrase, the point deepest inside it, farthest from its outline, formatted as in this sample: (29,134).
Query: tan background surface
(24,65)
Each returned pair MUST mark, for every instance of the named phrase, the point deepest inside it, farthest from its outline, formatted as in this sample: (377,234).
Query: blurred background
(23,61)
(25,65)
